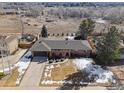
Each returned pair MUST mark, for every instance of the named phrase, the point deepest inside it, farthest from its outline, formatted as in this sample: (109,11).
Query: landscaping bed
(55,74)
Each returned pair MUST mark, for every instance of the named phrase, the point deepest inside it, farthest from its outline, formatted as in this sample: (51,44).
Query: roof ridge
(46,45)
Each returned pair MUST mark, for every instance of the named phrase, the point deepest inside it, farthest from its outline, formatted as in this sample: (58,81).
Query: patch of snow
(83,63)
(43,82)
(69,82)
(100,21)
(70,37)
(45,74)
(52,66)
(7,69)
(46,70)
(47,67)
(55,82)
(100,75)
(49,75)
(50,82)
(12,66)
(22,65)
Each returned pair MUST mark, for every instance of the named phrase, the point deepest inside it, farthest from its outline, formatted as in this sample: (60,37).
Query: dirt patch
(119,72)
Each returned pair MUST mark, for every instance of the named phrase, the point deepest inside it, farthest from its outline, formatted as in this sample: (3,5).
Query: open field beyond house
(10,24)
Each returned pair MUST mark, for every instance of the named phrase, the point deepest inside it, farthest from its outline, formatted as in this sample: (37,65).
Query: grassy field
(11,24)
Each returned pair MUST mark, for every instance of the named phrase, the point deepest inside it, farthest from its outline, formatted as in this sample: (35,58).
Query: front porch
(68,53)
(63,53)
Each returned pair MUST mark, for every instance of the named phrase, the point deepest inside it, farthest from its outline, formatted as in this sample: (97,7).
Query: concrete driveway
(33,74)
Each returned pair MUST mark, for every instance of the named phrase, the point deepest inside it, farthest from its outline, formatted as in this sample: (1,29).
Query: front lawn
(1,75)
(9,80)
(55,74)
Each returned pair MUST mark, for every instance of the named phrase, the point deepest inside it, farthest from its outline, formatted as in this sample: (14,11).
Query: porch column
(50,53)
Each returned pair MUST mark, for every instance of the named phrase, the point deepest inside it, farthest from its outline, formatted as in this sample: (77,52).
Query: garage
(38,53)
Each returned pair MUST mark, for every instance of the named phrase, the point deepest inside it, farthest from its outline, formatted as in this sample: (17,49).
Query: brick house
(61,48)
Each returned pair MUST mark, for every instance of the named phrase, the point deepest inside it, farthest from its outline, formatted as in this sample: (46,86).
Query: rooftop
(48,45)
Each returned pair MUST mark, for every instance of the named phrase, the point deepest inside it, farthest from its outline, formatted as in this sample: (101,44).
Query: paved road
(33,74)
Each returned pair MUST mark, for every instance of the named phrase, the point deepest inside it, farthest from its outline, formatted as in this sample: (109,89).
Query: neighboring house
(8,11)
(10,43)
(61,48)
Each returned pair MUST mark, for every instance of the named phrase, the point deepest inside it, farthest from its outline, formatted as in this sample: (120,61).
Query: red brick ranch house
(61,48)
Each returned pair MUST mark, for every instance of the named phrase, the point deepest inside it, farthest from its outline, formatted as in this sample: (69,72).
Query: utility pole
(21,22)
(7,54)
(1,51)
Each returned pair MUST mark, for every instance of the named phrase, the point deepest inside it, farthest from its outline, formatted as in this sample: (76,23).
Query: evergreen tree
(108,46)
(86,28)
(44,31)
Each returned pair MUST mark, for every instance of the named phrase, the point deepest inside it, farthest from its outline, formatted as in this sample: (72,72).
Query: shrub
(67,34)
(2,74)
(62,34)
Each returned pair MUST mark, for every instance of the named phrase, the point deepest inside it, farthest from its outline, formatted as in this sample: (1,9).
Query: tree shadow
(117,62)
(76,79)
(116,86)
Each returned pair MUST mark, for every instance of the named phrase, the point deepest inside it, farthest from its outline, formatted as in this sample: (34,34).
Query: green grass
(2,75)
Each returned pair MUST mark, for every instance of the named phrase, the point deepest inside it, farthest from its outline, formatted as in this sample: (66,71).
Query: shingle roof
(48,45)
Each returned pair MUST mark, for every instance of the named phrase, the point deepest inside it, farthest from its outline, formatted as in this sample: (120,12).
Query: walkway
(33,74)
